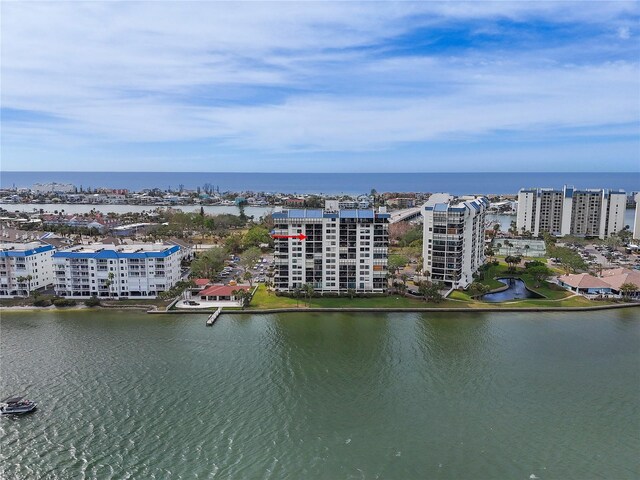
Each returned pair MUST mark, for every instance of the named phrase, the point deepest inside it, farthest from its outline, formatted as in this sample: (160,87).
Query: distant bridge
(405,215)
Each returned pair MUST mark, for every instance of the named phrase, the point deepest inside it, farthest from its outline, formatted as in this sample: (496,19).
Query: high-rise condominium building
(106,270)
(343,249)
(25,267)
(587,213)
(453,238)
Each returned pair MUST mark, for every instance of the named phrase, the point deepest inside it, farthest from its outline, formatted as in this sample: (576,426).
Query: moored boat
(17,406)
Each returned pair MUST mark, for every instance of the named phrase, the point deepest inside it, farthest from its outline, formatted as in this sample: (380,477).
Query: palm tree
(296,293)
(508,244)
(109,282)
(28,278)
(308,290)
(243,297)
(627,289)
(21,279)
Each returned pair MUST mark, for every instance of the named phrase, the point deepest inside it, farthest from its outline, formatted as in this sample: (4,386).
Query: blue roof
(440,207)
(26,253)
(305,213)
(319,213)
(107,253)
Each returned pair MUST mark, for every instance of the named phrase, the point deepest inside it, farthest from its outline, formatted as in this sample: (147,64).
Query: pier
(213,317)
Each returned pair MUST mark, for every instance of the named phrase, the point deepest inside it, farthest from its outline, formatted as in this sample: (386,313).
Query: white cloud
(137,72)
(624,33)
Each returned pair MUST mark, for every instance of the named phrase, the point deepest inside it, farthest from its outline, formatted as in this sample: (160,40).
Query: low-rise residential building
(122,271)
(585,284)
(221,293)
(24,268)
(341,250)
(453,239)
(586,213)
(609,283)
(401,202)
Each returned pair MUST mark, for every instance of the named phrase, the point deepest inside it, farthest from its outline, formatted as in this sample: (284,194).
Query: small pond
(516,290)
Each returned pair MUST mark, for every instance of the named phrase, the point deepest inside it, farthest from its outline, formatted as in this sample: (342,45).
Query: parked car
(191,302)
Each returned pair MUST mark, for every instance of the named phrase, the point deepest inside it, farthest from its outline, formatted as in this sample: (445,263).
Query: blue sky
(320,86)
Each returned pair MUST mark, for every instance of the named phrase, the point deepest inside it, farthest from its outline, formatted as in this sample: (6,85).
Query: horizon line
(307,172)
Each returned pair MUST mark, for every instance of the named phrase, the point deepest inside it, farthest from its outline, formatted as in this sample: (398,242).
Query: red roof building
(201,282)
(221,292)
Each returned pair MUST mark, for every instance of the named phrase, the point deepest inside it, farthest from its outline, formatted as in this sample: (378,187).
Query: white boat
(17,406)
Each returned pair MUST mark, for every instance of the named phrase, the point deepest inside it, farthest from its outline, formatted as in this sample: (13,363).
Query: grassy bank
(263,299)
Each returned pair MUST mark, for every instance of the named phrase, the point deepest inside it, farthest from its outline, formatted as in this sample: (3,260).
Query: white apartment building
(453,238)
(53,187)
(121,271)
(343,249)
(25,267)
(587,213)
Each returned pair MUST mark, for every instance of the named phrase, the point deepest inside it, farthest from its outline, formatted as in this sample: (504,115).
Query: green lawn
(263,299)
(555,298)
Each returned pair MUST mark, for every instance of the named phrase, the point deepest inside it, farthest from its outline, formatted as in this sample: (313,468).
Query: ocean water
(323,396)
(331,183)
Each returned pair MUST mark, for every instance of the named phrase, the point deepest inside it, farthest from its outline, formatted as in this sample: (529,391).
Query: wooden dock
(213,317)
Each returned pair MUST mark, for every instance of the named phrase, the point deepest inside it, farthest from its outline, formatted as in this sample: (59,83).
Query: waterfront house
(616,277)
(221,293)
(585,284)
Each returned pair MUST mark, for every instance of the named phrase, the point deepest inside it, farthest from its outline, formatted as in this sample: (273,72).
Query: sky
(320,86)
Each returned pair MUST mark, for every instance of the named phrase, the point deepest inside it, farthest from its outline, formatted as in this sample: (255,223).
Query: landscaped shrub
(42,302)
(534,263)
(92,302)
(64,302)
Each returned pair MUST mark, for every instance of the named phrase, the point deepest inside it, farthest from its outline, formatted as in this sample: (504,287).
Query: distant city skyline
(320,87)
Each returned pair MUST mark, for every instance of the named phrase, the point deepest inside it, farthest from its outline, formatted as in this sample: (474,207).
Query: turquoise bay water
(316,396)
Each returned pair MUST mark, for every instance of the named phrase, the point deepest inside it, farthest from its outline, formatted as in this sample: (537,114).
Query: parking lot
(233,272)
(606,257)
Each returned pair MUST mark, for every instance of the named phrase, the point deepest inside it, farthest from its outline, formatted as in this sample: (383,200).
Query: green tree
(412,237)
(512,261)
(308,291)
(539,273)
(255,236)
(513,228)
(243,297)
(477,289)
(396,262)
(625,235)
(627,289)
(489,252)
(248,276)
(209,263)
(250,257)
(351,292)
(570,261)
(109,283)
(430,291)
(233,244)
(297,293)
